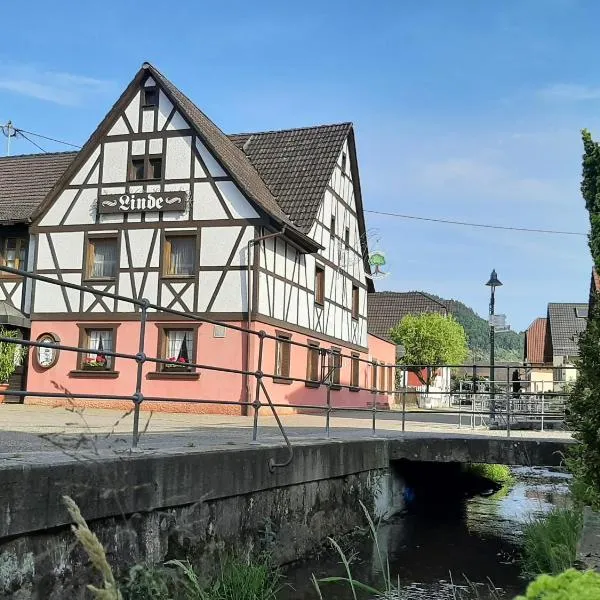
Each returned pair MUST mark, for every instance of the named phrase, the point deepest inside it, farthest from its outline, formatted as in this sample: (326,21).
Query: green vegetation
(570,585)
(509,344)
(430,339)
(584,403)
(237,579)
(10,354)
(550,542)
(500,474)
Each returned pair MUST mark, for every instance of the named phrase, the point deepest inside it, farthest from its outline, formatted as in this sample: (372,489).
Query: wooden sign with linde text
(142,203)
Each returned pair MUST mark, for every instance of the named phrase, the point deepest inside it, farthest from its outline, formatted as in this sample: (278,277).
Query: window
(347,237)
(282,356)
(312,363)
(97,341)
(390,385)
(155,168)
(559,375)
(344,159)
(332,226)
(178,349)
(101,258)
(150,97)
(382,378)
(145,167)
(355,370)
(179,254)
(335,366)
(14,252)
(355,301)
(319,284)
(137,169)
(374,376)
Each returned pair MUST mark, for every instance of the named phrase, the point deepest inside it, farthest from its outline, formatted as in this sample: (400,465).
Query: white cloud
(570,92)
(58,87)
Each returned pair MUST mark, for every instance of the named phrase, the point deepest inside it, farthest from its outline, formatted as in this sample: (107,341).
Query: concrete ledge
(107,485)
(508,451)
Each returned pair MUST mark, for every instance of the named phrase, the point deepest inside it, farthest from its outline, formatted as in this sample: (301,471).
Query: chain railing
(497,404)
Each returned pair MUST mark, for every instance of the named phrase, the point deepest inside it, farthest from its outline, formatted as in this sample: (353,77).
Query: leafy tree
(570,585)
(584,404)
(430,339)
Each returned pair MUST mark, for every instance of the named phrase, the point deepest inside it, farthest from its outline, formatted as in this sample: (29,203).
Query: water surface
(432,551)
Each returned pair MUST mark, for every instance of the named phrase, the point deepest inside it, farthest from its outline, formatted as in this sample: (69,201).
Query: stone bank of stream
(478,539)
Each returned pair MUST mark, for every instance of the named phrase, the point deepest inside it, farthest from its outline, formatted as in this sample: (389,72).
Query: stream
(473,544)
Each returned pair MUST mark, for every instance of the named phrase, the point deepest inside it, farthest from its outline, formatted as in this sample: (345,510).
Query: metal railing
(495,403)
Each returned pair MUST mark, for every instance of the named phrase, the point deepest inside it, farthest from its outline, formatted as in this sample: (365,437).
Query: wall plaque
(142,202)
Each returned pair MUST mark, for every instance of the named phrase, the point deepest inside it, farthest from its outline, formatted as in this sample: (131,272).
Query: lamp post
(493,283)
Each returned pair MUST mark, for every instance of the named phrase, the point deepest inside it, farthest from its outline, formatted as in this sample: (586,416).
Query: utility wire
(20,132)
(466,224)
(49,138)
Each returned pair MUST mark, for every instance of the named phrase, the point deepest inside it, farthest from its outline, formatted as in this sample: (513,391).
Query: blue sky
(463,110)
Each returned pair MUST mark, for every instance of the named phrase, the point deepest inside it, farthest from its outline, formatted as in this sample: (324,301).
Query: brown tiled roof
(386,309)
(296,164)
(283,172)
(25,180)
(537,342)
(566,321)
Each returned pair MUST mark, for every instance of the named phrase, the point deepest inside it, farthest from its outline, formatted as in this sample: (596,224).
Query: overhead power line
(467,224)
(20,132)
(49,138)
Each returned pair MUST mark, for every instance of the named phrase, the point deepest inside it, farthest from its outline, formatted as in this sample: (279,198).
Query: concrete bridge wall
(153,506)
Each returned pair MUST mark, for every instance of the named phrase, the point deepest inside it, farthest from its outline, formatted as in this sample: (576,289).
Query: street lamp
(493,283)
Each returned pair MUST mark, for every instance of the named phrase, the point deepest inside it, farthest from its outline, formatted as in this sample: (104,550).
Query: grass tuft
(500,474)
(550,542)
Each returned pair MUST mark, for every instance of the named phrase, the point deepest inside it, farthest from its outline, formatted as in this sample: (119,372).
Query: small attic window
(150,99)
(581,312)
(344,158)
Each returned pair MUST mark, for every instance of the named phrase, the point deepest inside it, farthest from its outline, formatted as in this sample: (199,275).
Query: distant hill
(509,345)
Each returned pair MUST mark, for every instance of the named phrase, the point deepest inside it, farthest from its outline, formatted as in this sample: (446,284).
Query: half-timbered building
(260,230)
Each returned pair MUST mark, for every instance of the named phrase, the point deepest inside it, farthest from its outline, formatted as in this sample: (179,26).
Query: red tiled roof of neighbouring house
(537,342)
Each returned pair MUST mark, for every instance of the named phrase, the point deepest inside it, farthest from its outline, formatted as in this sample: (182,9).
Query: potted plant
(10,356)
(95,364)
(176,365)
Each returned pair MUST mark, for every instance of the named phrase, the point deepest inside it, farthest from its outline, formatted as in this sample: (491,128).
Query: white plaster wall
(114,169)
(177,122)
(164,109)
(218,243)
(82,174)
(56,212)
(211,164)
(206,205)
(178,158)
(132,112)
(232,296)
(83,211)
(239,207)
(140,241)
(119,128)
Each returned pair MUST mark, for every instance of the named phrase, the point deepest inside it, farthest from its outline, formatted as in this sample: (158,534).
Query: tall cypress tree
(584,405)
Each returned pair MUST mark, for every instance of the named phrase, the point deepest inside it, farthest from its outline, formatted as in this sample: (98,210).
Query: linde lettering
(131,203)
(120,203)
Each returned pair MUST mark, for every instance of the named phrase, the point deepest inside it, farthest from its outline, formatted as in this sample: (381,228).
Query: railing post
(328,383)
(404,383)
(258,374)
(542,423)
(140,358)
(508,401)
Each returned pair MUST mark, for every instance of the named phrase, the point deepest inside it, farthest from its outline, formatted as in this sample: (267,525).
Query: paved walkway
(38,428)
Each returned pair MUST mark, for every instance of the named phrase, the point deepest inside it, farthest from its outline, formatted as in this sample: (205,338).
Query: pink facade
(176,392)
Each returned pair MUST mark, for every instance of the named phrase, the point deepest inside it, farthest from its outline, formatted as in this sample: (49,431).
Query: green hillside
(509,345)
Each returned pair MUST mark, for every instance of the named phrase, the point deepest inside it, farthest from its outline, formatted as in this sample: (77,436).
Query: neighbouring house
(385,311)
(537,359)
(551,346)
(257,230)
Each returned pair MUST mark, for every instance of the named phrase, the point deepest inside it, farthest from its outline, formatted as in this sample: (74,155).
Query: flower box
(94,367)
(176,366)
